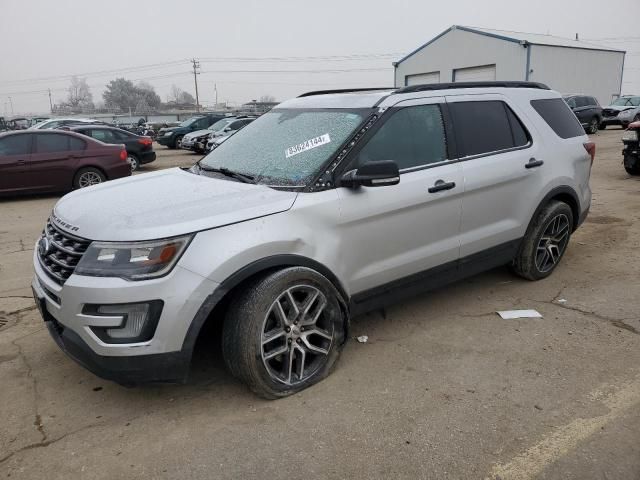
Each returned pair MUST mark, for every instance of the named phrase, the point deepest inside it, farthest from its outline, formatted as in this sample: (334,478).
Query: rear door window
(76,144)
(486,126)
(412,137)
(15,145)
(51,143)
(559,117)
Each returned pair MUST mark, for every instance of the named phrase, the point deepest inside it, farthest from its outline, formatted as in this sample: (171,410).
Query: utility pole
(50,102)
(196,66)
(11,103)
(215,87)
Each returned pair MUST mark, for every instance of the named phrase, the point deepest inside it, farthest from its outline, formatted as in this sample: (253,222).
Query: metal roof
(520,37)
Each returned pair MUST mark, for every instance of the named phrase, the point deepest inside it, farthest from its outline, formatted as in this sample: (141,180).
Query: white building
(462,54)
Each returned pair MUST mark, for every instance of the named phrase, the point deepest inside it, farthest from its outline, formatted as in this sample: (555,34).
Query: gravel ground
(443,389)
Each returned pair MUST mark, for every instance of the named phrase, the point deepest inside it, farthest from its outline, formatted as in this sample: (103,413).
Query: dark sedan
(56,161)
(139,149)
(587,109)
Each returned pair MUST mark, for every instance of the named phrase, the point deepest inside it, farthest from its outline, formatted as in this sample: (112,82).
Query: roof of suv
(371,97)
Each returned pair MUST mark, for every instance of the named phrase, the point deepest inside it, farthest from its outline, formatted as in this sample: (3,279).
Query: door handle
(533,163)
(441,185)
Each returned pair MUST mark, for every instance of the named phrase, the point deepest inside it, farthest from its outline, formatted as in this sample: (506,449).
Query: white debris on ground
(513,314)
(363,339)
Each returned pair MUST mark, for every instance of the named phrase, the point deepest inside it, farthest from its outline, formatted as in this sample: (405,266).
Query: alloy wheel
(553,243)
(593,126)
(87,179)
(133,161)
(297,335)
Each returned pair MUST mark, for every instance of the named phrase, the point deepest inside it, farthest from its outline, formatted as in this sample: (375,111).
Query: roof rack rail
(451,86)
(343,90)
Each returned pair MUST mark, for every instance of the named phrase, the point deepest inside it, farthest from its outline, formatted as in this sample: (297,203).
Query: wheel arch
(84,167)
(564,194)
(214,307)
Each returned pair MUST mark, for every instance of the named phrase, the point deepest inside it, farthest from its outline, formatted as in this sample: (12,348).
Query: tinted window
(15,145)
(581,102)
(105,136)
(562,120)
(202,124)
(412,136)
(520,135)
(481,127)
(52,143)
(571,101)
(593,101)
(76,144)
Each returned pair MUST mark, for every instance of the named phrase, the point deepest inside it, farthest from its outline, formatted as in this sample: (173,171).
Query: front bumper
(163,358)
(193,144)
(611,121)
(165,140)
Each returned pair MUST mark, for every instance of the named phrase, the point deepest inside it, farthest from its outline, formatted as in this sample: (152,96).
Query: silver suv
(330,205)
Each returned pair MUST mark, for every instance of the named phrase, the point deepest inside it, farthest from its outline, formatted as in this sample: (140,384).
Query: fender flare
(557,191)
(274,261)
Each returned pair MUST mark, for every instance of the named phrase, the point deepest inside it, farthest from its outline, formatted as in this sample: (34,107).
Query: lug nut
(299,341)
(287,329)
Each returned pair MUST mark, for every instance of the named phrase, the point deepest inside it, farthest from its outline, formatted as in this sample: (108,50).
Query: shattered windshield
(286,147)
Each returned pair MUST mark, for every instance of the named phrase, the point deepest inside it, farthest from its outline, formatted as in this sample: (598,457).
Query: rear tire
(545,242)
(133,161)
(270,339)
(85,177)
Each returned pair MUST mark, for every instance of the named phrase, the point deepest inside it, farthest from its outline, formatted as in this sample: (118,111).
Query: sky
(252,48)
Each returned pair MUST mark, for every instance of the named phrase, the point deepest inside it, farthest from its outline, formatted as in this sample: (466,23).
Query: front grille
(607,112)
(64,252)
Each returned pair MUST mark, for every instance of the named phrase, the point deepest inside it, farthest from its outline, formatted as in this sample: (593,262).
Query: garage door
(422,78)
(475,74)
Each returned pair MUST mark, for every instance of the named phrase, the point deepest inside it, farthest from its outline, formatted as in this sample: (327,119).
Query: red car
(55,161)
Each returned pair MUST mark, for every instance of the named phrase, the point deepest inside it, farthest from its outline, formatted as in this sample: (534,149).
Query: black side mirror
(372,174)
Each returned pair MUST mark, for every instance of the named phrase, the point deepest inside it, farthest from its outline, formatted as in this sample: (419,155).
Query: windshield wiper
(228,173)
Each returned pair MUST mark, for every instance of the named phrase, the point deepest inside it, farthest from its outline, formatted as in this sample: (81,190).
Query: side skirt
(427,280)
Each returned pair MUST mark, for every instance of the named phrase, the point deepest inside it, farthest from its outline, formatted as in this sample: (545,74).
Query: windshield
(189,121)
(627,102)
(286,147)
(220,124)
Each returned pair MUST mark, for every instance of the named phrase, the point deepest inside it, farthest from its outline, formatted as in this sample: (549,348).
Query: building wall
(572,70)
(461,49)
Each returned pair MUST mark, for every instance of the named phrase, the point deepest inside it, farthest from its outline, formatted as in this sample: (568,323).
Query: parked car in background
(3,125)
(35,120)
(622,111)
(139,148)
(54,160)
(172,137)
(197,141)
(18,123)
(631,149)
(331,205)
(60,122)
(587,109)
(215,142)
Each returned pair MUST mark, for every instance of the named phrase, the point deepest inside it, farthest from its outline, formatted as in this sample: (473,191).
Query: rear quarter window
(559,117)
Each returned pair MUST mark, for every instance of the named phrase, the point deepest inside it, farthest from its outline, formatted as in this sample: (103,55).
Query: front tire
(594,124)
(85,177)
(545,242)
(283,332)
(178,141)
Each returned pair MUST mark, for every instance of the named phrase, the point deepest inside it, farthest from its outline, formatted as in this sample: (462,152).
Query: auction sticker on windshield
(308,145)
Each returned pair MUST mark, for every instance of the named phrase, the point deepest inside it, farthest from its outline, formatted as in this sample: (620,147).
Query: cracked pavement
(444,388)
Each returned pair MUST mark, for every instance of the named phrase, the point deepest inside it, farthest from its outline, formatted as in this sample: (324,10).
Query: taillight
(146,141)
(123,155)
(590,147)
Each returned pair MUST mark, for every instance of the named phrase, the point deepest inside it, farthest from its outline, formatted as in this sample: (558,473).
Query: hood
(198,133)
(168,129)
(620,108)
(164,204)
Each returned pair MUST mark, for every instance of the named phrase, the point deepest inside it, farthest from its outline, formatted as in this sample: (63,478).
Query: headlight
(132,261)
(626,113)
(630,136)
(167,134)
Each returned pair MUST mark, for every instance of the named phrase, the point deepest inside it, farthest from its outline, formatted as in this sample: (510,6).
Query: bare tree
(174,93)
(79,94)
(267,99)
